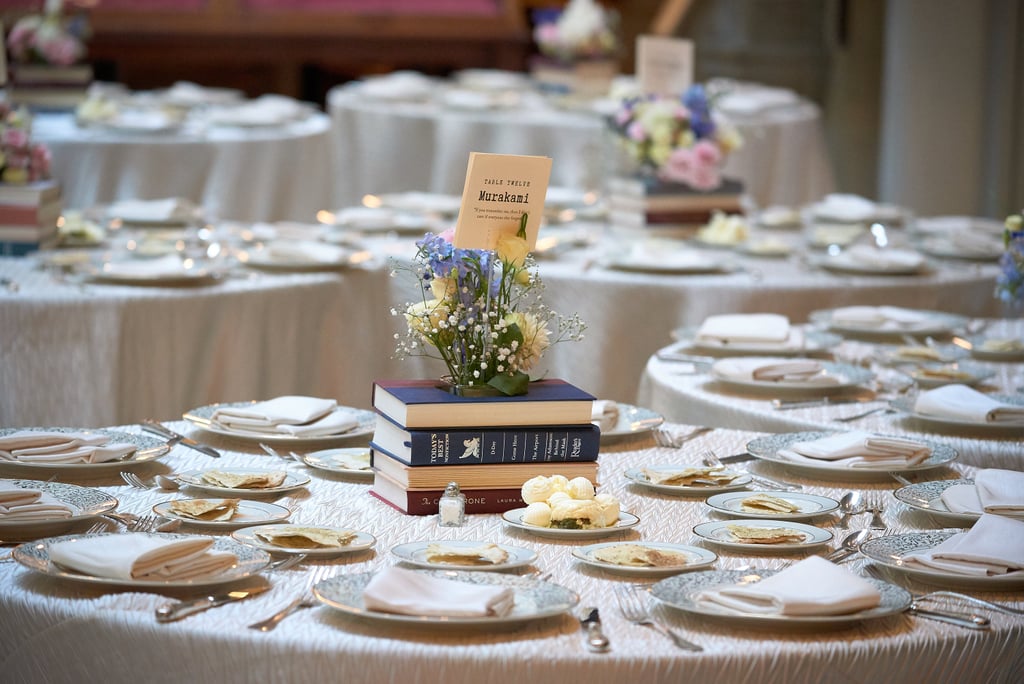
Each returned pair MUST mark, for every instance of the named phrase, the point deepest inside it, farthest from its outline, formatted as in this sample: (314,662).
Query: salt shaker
(451,507)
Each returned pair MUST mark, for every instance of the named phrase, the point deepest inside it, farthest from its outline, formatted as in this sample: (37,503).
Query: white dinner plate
(811,505)
(415,553)
(85,502)
(979,351)
(36,556)
(514,518)
(202,417)
(341,461)
(534,599)
(947,353)
(114,273)
(247,535)
(147,449)
(941,374)
(260,260)
(194,478)
(815,342)
(717,532)
(845,375)
(696,559)
(933,323)
(890,550)
(845,263)
(701,263)
(632,420)
(428,202)
(767,449)
(943,247)
(249,512)
(681,591)
(637,476)
(906,405)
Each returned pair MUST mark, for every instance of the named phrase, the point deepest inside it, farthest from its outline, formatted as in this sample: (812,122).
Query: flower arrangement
(21,160)
(679,139)
(48,38)
(481,313)
(1010,282)
(584,30)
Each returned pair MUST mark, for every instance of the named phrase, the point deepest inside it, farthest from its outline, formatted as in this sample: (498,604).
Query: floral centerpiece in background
(48,38)
(481,313)
(21,160)
(677,139)
(1010,282)
(579,48)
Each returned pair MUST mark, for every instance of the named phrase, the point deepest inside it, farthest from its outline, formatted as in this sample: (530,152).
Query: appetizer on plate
(482,554)
(766,503)
(294,537)
(690,475)
(567,504)
(208,510)
(640,556)
(244,480)
(749,534)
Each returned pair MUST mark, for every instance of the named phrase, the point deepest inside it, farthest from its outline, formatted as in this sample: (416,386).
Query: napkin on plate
(294,415)
(166,266)
(137,556)
(813,586)
(604,414)
(398,85)
(994,546)
(305,252)
(31,505)
(265,110)
(889,258)
(960,402)
(188,93)
(28,446)
(1000,491)
(766,329)
(397,590)
(806,371)
(880,317)
(756,99)
(167,210)
(845,207)
(961,498)
(857,449)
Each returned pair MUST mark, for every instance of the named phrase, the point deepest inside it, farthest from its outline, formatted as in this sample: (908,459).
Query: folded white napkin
(397,590)
(857,449)
(398,85)
(961,498)
(604,414)
(960,402)
(804,371)
(31,505)
(337,422)
(1000,491)
(188,93)
(61,447)
(879,317)
(265,110)
(295,415)
(306,252)
(137,556)
(868,255)
(762,329)
(167,210)
(458,98)
(994,546)
(165,266)
(813,586)
(845,207)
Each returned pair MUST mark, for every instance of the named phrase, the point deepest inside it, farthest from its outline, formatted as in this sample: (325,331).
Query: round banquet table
(258,173)
(386,145)
(675,391)
(65,631)
(154,352)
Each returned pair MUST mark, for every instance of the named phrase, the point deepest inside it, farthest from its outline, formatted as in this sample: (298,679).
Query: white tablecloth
(65,632)
(387,146)
(263,173)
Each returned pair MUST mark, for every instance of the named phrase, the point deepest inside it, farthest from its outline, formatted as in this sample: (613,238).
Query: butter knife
(176,610)
(596,640)
(173,438)
(782,404)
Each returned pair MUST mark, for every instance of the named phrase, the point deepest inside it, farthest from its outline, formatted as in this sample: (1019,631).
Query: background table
(65,632)
(391,146)
(262,173)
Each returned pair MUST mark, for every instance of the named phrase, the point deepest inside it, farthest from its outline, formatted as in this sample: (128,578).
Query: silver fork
(876,507)
(305,600)
(144,523)
(133,480)
(864,414)
(274,452)
(634,608)
(667,438)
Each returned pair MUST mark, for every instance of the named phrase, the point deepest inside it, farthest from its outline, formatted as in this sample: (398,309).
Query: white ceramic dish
(514,518)
(697,559)
(247,535)
(415,553)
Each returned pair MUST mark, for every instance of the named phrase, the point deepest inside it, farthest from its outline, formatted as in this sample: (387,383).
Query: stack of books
(28,216)
(639,202)
(426,437)
(47,86)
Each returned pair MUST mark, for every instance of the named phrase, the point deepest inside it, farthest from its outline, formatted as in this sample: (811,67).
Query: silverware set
(173,438)
(634,607)
(304,600)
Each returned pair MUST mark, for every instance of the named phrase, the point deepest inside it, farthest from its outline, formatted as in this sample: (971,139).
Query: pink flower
(63,50)
(636,131)
(680,166)
(707,153)
(706,177)
(623,116)
(14,137)
(448,235)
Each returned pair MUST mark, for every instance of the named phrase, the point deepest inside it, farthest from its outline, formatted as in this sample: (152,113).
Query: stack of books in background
(28,216)
(49,86)
(637,202)
(426,437)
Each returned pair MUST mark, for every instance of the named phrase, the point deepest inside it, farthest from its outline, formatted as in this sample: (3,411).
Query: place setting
(759,334)
(347,461)
(242,481)
(888,322)
(75,450)
(958,406)
(285,420)
(644,559)
(301,256)
(791,376)
(452,554)
(963,501)
(222,513)
(753,535)
(618,420)
(30,509)
(773,505)
(687,480)
(310,541)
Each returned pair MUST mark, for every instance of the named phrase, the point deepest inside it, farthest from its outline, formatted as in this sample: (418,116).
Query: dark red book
(424,501)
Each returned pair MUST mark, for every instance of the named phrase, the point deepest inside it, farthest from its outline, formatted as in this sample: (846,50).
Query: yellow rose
(423,317)
(443,288)
(512,250)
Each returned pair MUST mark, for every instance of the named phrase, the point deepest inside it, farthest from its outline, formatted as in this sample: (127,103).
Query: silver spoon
(850,504)
(849,546)
(168,483)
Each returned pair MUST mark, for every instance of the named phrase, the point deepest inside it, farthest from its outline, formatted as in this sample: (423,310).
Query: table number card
(499,189)
(664,66)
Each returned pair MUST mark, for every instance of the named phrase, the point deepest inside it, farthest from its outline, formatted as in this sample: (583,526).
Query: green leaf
(510,385)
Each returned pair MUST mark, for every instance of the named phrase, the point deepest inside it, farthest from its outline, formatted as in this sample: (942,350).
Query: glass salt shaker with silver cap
(451,507)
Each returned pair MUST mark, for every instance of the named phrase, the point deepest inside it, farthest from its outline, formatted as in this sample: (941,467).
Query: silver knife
(780,404)
(738,458)
(176,610)
(173,438)
(596,640)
